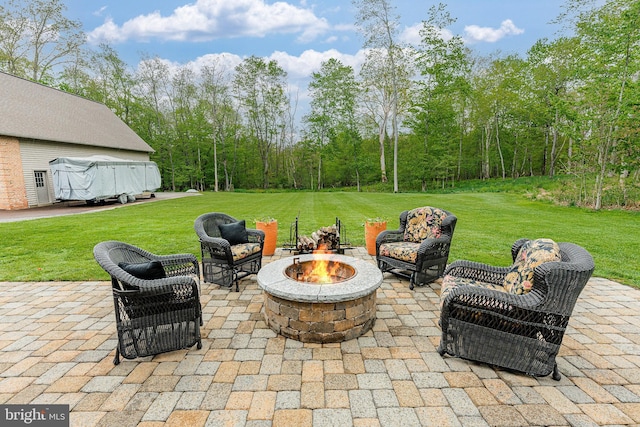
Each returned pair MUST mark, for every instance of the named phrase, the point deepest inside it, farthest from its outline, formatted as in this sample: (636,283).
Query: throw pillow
(519,279)
(145,270)
(234,232)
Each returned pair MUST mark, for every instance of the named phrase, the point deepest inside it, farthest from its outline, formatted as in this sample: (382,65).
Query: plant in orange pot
(373,227)
(270,227)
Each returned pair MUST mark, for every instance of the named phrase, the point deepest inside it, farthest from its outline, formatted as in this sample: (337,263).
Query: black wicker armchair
(513,317)
(156,299)
(419,249)
(230,251)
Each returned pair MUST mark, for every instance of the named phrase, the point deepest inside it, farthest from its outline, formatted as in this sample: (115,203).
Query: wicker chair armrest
(477,271)
(388,236)
(430,245)
(431,249)
(168,285)
(216,243)
(158,286)
(179,264)
(184,284)
(255,236)
(481,298)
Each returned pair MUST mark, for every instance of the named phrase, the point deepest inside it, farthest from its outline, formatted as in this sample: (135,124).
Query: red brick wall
(13,194)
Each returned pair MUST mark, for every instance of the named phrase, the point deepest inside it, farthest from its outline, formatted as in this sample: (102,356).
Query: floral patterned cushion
(423,223)
(404,251)
(450,282)
(519,279)
(243,250)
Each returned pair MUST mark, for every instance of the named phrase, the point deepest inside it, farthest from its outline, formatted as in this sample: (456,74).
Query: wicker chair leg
(235,280)
(556,373)
(412,280)
(116,360)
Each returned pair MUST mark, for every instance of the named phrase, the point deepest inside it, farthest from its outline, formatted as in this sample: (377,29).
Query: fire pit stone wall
(320,313)
(321,322)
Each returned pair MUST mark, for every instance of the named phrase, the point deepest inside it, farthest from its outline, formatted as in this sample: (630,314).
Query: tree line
(411,118)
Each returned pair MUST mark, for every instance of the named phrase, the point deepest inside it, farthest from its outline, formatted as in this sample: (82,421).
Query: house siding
(35,156)
(12,189)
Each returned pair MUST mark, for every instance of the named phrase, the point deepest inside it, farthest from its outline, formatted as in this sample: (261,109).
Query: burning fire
(320,270)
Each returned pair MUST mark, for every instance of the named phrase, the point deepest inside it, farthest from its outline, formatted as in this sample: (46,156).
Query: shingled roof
(31,110)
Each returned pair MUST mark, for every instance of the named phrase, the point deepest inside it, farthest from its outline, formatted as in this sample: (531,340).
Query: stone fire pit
(319,312)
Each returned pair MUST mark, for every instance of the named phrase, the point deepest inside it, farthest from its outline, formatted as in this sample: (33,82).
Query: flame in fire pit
(320,271)
(323,271)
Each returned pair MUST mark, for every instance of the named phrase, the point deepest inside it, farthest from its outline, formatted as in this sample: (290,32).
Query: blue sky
(299,33)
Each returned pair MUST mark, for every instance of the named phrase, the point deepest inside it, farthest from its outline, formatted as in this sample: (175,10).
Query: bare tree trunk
(215,164)
(395,144)
(570,154)
(486,171)
(504,172)
(554,147)
(514,171)
(381,138)
(173,170)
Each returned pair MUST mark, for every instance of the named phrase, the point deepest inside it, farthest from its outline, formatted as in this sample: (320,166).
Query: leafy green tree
(333,92)
(438,105)
(552,65)
(36,39)
(224,120)
(153,91)
(260,86)
(608,63)
(112,82)
(378,23)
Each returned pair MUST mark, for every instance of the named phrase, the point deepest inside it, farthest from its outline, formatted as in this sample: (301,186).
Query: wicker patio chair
(227,260)
(513,317)
(156,299)
(419,249)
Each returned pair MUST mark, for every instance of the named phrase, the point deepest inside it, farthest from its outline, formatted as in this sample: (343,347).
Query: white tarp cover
(102,177)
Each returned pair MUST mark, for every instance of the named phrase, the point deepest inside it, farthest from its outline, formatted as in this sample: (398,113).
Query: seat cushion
(243,250)
(450,282)
(403,251)
(423,223)
(234,232)
(519,279)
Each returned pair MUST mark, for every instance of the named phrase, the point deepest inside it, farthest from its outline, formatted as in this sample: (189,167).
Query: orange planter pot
(270,236)
(371,231)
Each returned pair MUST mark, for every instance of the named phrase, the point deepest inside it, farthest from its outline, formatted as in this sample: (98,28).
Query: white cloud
(309,61)
(100,11)
(475,34)
(298,68)
(207,20)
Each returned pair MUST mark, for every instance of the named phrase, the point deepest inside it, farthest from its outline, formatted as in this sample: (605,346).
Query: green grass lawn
(488,223)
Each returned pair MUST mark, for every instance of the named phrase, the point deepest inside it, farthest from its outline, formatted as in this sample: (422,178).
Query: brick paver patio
(57,343)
